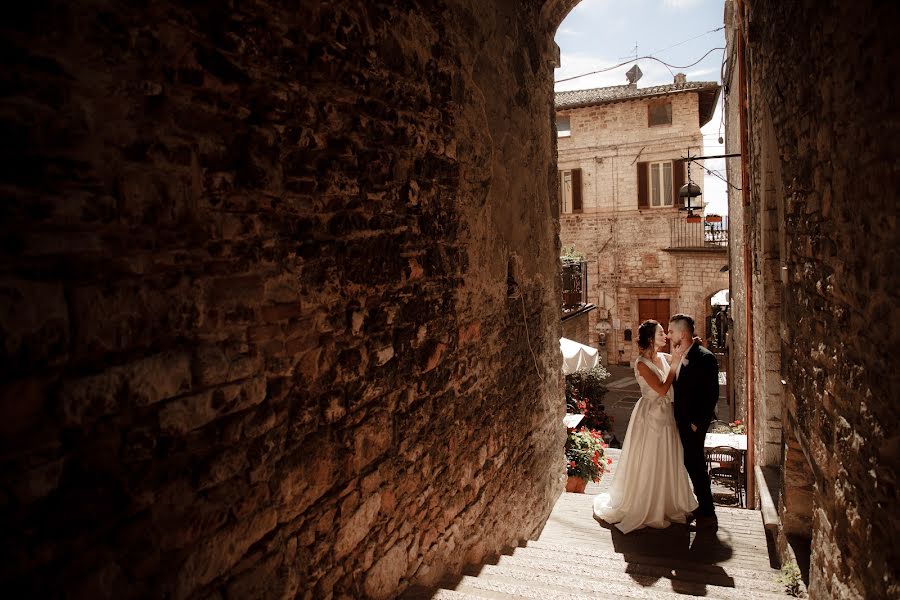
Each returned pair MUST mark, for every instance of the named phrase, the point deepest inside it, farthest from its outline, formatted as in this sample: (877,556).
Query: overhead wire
(637,59)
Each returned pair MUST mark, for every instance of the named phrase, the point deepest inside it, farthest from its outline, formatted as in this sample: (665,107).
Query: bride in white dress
(651,487)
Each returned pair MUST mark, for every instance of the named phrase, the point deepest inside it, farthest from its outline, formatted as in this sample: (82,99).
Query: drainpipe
(748,258)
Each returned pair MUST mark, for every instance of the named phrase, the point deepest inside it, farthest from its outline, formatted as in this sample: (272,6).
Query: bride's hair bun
(647,333)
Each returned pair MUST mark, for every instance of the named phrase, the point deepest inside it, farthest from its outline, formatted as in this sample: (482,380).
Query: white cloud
(681,4)
(694,75)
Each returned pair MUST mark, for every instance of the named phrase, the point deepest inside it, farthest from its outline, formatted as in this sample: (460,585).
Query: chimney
(680,78)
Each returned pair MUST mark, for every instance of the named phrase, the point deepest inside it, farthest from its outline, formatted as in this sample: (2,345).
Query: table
(738,441)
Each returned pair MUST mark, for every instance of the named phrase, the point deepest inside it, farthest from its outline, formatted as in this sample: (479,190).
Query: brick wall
(577,328)
(255,282)
(820,126)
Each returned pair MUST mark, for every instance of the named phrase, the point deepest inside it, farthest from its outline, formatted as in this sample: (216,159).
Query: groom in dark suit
(696,394)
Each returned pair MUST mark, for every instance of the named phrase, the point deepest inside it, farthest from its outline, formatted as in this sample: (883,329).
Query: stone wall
(731,108)
(272,276)
(833,143)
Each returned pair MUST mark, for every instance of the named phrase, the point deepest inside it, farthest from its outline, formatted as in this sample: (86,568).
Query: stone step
(720,584)
(595,529)
(577,558)
(505,588)
(685,568)
(608,582)
(667,547)
(751,556)
(422,593)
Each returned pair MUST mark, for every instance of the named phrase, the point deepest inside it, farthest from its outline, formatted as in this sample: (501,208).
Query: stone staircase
(576,557)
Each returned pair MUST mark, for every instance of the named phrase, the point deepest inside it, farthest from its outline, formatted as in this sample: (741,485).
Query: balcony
(574,285)
(698,236)
(575,307)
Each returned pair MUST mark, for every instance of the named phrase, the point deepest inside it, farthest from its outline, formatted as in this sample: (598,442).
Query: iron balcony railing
(574,285)
(705,234)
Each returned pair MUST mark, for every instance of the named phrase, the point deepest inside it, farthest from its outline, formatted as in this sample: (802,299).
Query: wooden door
(658,309)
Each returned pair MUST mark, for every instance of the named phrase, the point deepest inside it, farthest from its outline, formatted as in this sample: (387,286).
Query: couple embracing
(663,453)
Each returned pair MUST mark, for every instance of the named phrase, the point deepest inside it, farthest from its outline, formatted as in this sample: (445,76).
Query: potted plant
(738,427)
(586,459)
(584,392)
(713,218)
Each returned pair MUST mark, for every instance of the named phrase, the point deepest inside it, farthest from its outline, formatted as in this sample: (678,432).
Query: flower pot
(713,219)
(694,219)
(575,484)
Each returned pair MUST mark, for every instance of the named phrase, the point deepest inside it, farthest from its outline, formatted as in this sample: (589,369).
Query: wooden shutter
(677,182)
(643,192)
(576,190)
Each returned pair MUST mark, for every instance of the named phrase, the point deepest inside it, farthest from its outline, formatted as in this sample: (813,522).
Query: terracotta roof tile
(617,93)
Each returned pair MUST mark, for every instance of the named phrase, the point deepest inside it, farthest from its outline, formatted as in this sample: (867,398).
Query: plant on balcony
(570,255)
(584,392)
(737,427)
(713,218)
(586,458)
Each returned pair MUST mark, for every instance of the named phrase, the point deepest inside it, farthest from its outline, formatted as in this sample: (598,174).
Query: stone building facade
(621,160)
(813,241)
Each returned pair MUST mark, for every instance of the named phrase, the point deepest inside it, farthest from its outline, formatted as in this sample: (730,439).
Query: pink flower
(609,461)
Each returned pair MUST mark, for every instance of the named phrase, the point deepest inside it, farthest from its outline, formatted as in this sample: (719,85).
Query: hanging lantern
(688,192)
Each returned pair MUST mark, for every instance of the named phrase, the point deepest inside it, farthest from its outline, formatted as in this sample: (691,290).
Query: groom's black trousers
(695,463)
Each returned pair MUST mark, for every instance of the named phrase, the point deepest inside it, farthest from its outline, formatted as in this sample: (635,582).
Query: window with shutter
(576,190)
(565,192)
(677,180)
(659,113)
(660,186)
(643,192)
(570,194)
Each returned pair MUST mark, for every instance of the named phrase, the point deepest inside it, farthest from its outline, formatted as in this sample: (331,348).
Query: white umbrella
(577,356)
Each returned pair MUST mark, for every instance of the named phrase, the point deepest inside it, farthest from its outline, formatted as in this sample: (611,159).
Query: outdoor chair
(724,465)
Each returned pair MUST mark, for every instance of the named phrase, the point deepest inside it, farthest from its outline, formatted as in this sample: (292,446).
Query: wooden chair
(724,465)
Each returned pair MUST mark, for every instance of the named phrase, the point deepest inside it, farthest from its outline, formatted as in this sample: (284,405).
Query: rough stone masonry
(279,291)
(821,224)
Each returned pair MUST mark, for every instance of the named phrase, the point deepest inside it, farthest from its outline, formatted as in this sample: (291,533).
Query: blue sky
(602,33)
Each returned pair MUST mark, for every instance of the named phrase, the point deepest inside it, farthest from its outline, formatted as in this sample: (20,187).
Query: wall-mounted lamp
(688,192)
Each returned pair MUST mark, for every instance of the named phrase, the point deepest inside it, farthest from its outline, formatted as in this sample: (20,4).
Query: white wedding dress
(650,487)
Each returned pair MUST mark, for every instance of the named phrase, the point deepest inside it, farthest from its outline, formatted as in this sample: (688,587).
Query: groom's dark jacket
(697,387)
